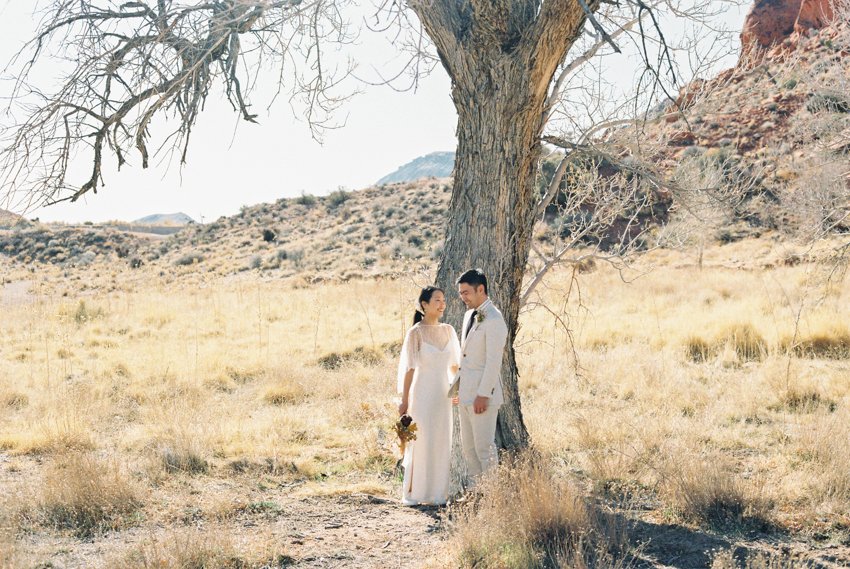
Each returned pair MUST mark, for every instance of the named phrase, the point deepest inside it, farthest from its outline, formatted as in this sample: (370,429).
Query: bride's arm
(405,394)
(455,350)
(407,365)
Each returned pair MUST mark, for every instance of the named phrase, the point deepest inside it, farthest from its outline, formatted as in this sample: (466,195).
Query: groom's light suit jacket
(481,357)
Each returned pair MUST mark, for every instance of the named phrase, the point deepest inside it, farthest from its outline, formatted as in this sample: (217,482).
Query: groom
(478,385)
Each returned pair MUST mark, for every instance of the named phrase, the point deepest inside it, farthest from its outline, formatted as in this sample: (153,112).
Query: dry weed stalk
(527,517)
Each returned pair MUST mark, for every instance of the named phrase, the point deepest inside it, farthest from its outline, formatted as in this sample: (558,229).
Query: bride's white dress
(432,351)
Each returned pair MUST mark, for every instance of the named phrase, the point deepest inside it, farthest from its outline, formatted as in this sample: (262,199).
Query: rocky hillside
(376,231)
(777,129)
(774,133)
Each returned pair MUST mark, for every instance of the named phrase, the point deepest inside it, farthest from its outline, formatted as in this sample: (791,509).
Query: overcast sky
(234,163)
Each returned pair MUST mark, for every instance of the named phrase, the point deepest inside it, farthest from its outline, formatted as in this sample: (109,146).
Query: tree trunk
(501,56)
(493,206)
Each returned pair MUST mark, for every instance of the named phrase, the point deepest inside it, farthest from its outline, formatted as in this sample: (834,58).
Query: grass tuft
(708,494)
(182,455)
(86,495)
(832,344)
(286,393)
(698,349)
(196,549)
(526,517)
(745,341)
(365,356)
(14,400)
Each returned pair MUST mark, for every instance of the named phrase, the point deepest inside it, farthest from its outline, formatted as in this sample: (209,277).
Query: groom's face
(472,297)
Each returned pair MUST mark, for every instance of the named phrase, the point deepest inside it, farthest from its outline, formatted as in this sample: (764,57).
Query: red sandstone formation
(771,22)
(814,14)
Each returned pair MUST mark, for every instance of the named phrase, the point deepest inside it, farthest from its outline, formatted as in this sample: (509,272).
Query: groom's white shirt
(481,356)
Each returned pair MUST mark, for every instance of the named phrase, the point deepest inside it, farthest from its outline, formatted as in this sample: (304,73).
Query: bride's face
(437,305)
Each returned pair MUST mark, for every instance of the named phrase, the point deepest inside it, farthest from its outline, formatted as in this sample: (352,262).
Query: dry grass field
(692,417)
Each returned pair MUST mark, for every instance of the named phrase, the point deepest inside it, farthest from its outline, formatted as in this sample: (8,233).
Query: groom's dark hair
(474,278)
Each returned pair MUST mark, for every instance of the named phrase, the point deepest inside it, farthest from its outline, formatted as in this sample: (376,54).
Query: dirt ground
(349,529)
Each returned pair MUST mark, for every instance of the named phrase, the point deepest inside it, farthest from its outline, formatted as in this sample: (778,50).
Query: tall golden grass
(526,517)
(699,393)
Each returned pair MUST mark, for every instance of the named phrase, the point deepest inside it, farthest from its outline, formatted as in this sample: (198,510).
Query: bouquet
(405,429)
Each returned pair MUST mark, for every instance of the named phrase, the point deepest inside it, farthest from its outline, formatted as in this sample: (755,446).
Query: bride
(429,361)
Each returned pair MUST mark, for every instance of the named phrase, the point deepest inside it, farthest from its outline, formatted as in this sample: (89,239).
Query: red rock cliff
(771,22)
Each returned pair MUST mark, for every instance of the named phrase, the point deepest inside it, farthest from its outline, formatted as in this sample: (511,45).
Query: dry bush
(707,492)
(807,399)
(14,400)
(362,355)
(698,349)
(56,435)
(833,343)
(196,549)
(747,343)
(243,375)
(825,443)
(181,452)
(614,456)
(527,517)
(285,391)
(84,494)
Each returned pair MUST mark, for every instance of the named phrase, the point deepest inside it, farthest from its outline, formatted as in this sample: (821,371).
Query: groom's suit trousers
(478,435)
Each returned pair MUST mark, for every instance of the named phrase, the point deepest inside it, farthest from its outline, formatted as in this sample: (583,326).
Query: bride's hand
(402,408)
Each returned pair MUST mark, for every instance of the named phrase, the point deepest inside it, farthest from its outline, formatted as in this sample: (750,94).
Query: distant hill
(434,165)
(165,219)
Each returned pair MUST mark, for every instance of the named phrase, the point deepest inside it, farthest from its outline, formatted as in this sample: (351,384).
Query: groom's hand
(480,404)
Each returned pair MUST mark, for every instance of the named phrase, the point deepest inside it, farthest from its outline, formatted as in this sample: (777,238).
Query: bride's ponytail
(417,317)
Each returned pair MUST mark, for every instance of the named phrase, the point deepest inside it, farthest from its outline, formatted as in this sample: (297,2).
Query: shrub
(269,235)
(798,400)
(698,349)
(85,495)
(827,102)
(243,375)
(256,262)
(180,454)
(826,443)
(527,517)
(746,341)
(305,199)
(706,492)
(285,393)
(14,400)
(198,549)
(297,257)
(84,314)
(366,356)
(337,198)
(830,344)
(189,259)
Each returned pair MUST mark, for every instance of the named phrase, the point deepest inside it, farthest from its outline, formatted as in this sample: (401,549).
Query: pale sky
(233,163)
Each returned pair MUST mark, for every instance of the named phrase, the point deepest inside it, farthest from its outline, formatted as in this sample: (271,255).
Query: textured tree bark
(501,57)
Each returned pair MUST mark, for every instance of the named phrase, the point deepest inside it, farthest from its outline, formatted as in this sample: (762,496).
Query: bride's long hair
(425,296)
